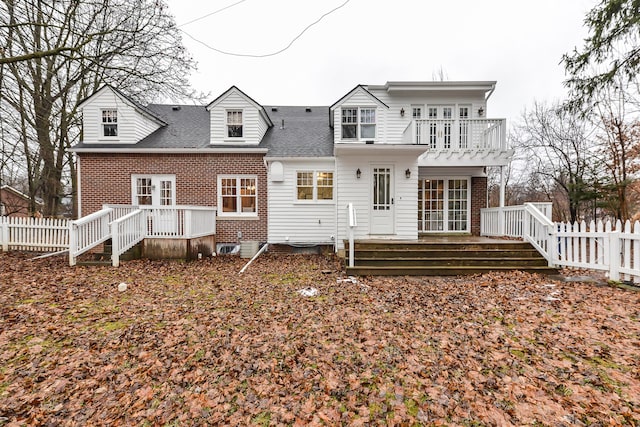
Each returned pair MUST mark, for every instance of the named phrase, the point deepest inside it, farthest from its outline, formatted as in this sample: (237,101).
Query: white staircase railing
(353,222)
(126,232)
(538,230)
(88,232)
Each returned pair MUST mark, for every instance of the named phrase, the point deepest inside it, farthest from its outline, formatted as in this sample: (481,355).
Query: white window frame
(107,114)
(359,122)
(445,201)
(238,213)
(233,112)
(156,191)
(315,175)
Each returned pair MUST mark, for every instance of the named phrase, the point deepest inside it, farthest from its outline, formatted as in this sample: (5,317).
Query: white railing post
(187,223)
(501,221)
(115,243)
(73,242)
(353,222)
(552,245)
(4,233)
(614,257)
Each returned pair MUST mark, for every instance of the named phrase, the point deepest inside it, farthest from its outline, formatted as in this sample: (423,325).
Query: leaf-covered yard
(196,343)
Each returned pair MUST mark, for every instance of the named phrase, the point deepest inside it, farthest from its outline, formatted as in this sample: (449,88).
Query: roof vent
(274,109)
(308,109)
(176,108)
(282,126)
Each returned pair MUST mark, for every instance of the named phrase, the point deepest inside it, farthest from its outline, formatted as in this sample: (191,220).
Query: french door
(443,205)
(157,190)
(440,126)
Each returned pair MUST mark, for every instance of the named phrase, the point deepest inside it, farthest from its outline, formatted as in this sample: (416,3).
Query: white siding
(254,126)
(358,192)
(291,221)
(396,125)
(360,99)
(132,125)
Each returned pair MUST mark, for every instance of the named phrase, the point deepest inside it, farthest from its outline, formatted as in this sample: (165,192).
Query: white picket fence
(33,234)
(609,247)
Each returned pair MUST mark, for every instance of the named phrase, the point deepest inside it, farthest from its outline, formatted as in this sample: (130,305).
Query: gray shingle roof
(305,134)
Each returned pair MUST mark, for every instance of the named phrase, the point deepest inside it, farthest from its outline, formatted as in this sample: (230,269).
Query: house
(407,158)
(15,203)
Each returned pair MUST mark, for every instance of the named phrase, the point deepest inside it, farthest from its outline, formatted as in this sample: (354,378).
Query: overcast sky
(518,43)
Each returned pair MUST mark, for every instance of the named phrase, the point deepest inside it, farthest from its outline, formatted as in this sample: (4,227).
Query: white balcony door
(382,203)
(443,205)
(157,190)
(440,126)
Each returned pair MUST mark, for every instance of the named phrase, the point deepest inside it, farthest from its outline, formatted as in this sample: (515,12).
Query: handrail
(126,232)
(538,230)
(353,222)
(88,232)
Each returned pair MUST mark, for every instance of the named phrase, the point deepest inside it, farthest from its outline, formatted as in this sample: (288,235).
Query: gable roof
(136,105)
(352,91)
(305,133)
(20,194)
(250,100)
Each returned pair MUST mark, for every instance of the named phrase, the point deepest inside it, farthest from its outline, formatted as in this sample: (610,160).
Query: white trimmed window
(110,123)
(314,185)
(238,195)
(234,124)
(358,123)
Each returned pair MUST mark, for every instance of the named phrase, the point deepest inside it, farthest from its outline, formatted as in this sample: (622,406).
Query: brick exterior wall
(106,178)
(478,201)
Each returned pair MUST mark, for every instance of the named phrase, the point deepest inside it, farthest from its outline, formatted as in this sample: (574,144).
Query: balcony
(469,141)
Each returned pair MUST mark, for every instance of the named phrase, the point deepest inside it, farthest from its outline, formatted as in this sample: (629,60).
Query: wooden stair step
(440,271)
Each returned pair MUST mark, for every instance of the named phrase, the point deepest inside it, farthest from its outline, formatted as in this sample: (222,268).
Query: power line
(209,14)
(248,55)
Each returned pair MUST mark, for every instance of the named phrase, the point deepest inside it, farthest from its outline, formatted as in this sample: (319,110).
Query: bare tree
(559,148)
(619,148)
(133,45)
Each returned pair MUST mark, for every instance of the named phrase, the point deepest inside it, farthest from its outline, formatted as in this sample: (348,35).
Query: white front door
(382,203)
(440,126)
(158,191)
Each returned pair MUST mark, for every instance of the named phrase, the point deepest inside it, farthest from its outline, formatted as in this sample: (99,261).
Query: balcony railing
(458,134)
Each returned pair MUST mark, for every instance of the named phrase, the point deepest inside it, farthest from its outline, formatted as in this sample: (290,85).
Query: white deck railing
(458,134)
(33,234)
(612,248)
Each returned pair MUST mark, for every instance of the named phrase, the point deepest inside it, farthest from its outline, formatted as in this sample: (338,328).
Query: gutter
(202,150)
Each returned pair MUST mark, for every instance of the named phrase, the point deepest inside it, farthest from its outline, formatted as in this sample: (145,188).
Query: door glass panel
(464,128)
(166,193)
(457,205)
(381,189)
(443,205)
(143,191)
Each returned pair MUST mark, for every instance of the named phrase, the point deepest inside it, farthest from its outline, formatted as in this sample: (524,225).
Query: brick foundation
(106,178)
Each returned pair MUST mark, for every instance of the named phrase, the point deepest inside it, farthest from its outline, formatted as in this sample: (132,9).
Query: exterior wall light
(358,173)
(407,173)
(402,112)
(481,111)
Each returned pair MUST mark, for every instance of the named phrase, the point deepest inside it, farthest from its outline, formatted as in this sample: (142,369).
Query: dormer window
(358,123)
(234,123)
(110,122)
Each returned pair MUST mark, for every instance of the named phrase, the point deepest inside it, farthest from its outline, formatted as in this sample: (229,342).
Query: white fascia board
(442,86)
(378,148)
(294,159)
(170,150)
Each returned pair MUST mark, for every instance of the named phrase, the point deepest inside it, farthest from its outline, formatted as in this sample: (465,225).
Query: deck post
(4,233)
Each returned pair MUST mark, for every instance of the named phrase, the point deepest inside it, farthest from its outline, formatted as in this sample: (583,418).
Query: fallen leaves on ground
(197,343)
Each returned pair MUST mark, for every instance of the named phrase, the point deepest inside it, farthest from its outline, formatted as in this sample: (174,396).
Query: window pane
(305,185)
(229,200)
(234,131)
(109,122)
(325,185)
(166,196)
(367,131)
(143,190)
(349,131)
(248,194)
(350,115)
(367,115)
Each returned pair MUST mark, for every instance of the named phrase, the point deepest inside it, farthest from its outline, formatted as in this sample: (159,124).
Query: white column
(502,186)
